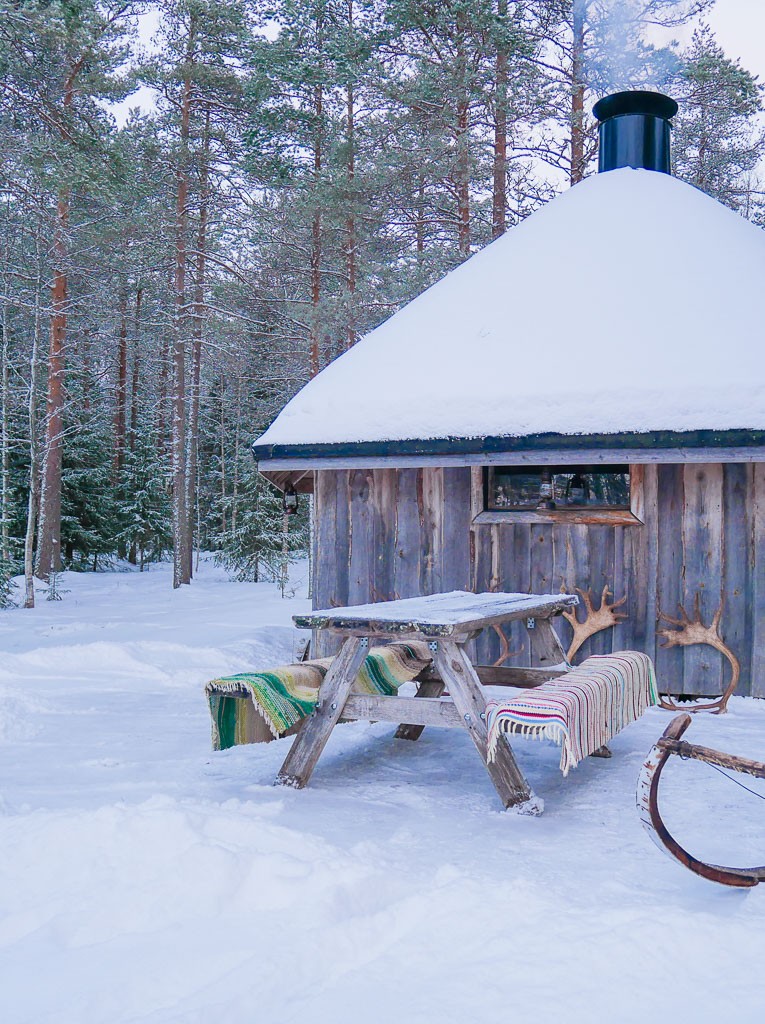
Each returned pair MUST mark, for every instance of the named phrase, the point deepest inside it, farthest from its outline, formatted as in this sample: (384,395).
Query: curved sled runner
(648,801)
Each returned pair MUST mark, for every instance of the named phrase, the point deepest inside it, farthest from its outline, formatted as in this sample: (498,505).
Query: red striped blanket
(581,710)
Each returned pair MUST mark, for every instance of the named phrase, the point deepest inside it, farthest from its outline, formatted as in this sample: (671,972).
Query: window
(558,487)
(581,493)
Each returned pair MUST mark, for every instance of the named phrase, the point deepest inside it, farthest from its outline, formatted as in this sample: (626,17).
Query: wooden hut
(579,405)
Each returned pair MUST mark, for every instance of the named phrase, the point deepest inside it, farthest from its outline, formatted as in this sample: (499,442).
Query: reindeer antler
(595,619)
(504,645)
(693,631)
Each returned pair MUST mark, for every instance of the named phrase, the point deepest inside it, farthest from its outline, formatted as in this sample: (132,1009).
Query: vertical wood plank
(342,540)
(758,579)
(736,626)
(362,562)
(481,554)
(515,578)
(601,549)
(455,552)
(384,495)
(644,558)
(702,570)
(431,502)
(630,573)
(542,559)
(669,570)
(572,569)
(621,632)
(406,574)
(327,558)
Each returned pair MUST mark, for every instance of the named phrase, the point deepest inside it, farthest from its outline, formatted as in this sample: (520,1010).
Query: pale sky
(740,29)
(738,24)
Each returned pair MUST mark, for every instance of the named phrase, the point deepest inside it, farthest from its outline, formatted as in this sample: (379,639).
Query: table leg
(312,738)
(454,667)
(546,648)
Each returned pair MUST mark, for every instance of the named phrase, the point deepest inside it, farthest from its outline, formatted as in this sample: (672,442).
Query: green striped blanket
(254,707)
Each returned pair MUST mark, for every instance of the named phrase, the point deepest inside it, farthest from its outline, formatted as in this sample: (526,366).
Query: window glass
(558,487)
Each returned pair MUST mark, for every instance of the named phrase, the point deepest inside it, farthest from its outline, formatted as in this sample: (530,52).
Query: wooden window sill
(589,517)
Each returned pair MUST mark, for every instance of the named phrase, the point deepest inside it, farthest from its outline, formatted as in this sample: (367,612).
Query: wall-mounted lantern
(290,501)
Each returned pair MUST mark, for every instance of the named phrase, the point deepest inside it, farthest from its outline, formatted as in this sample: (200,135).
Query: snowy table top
(437,614)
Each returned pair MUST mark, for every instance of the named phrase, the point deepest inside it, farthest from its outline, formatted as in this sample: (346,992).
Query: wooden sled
(648,801)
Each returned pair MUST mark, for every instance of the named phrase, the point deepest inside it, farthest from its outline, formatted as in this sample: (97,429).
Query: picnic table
(447,623)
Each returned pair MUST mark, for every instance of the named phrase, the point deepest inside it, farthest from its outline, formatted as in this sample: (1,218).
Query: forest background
(305,168)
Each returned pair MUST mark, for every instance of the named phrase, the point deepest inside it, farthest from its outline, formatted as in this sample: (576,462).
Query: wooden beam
(524,678)
(493,609)
(566,516)
(420,711)
(301,479)
(501,675)
(464,686)
(427,688)
(312,738)
(532,457)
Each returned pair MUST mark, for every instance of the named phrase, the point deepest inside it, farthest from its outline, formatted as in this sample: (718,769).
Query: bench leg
(429,688)
(312,738)
(456,670)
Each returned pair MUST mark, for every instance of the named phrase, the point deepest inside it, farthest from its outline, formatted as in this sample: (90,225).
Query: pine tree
(62,59)
(718,141)
(596,47)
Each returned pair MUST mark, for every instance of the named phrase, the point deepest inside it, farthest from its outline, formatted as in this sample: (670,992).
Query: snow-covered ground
(143,878)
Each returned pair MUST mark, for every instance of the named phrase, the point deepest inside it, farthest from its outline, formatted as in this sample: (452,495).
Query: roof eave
(540,447)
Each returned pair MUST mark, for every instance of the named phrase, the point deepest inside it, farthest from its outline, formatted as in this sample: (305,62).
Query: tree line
(304,168)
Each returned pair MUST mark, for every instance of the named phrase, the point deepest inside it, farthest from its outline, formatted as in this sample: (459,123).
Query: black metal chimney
(634,130)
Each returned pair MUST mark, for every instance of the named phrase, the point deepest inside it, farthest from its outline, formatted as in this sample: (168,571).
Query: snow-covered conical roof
(631,303)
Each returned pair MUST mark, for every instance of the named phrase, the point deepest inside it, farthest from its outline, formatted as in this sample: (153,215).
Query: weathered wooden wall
(388,533)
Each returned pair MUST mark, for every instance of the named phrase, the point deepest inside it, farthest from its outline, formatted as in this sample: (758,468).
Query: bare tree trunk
(49,539)
(136,375)
(163,394)
(316,233)
(499,196)
(134,391)
(463,143)
(86,375)
(420,219)
(120,392)
(577,95)
(284,567)
(196,348)
(29,539)
(237,422)
(223,455)
(5,445)
(350,224)
(181,555)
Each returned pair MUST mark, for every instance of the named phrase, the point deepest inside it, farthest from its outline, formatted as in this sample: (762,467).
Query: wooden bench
(447,622)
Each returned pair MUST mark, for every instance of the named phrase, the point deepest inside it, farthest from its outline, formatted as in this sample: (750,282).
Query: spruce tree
(6,585)
(88,500)
(144,501)
(259,541)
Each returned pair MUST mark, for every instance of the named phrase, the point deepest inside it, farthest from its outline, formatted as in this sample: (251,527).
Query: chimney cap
(635,101)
